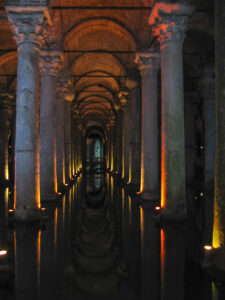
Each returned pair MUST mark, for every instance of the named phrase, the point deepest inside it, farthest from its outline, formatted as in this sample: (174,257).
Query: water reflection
(99,243)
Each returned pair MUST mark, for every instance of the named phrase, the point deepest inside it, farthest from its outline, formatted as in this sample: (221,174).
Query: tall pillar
(209,150)
(125,136)
(169,22)
(112,142)
(219,197)
(5,100)
(135,137)
(68,138)
(49,67)
(148,66)
(28,27)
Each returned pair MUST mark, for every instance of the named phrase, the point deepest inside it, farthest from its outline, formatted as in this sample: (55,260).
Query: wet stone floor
(96,242)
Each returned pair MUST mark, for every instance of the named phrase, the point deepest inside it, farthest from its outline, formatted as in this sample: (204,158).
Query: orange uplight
(3,252)
(43,208)
(208,248)
(66,184)
(157,208)
(59,193)
(11,210)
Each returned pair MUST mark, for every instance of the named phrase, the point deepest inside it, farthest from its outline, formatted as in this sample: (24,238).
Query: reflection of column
(172,263)
(219,205)
(169,24)
(150,253)
(27,261)
(148,66)
(209,150)
(28,27)
(48,176)
(4,130)
(67,141)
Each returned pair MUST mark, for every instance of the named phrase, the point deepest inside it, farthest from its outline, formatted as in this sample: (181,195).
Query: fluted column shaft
(49,67)
(28,28)
(169,24)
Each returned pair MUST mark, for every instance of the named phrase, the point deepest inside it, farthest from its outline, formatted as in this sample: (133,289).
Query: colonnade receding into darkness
(50,135)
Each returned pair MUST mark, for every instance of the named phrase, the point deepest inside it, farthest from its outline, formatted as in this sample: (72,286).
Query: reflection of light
(208,248)
(3,252)
(162,233)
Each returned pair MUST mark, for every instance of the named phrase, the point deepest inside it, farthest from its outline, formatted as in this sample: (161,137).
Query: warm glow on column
(7,169)
(6,201)
(217,230)
(163,171)
(38,197)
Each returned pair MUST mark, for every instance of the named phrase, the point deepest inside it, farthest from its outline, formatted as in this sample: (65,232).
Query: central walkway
(98,243)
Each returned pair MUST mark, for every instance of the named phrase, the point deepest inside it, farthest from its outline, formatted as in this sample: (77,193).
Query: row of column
(43,137)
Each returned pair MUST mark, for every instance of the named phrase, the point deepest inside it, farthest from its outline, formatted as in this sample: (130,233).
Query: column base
(173,214)
(148,196)
(132,187)
(49,198)
(27,215)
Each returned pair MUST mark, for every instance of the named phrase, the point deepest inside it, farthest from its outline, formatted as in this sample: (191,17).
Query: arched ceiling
(99,39)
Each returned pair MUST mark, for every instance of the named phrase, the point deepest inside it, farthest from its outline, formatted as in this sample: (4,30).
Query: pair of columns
(31,158)
(169,22)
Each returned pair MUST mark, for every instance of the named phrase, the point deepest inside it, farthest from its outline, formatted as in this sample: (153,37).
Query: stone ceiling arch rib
(99,24)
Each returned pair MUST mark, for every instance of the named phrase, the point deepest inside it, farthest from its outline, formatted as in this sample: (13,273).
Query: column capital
(124,97)
(50,62)
(169,21)
(7,101)
(29,24)
(148,63)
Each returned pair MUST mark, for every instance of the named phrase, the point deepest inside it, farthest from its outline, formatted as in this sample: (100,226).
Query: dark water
(98,243)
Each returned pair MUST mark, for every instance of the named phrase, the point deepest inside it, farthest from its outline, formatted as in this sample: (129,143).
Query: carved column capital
(169,21)
(7,101)
(123,96)
(50,62)
(147,62)
(29,25)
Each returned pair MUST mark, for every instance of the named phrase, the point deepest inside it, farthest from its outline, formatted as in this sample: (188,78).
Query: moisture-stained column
(169,22)
(148,66)
(49,67)
(28,28)
(219,197)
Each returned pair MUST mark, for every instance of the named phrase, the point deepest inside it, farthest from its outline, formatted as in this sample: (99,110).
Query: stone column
(169,22)
(28,27)
(219,197)
(209,150)
(108,165)
(68,148)
(119,139)
(125,136)
(62,84)
(148,66)
(112,138)
(135,133)
(49,67)
(5,100)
